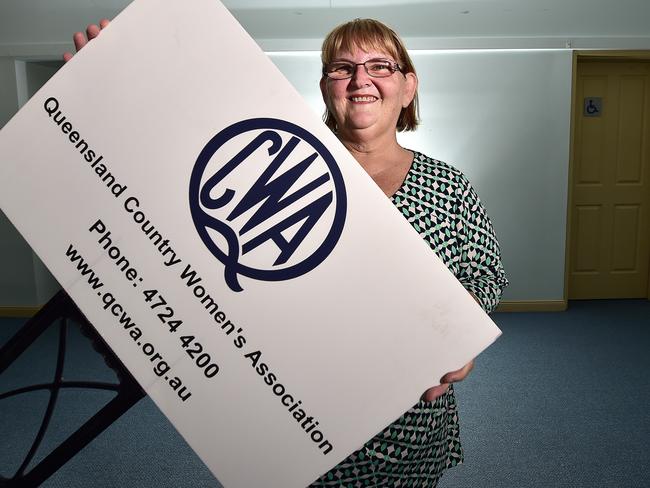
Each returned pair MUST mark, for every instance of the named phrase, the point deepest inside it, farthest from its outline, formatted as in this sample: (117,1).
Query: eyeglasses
(376,68)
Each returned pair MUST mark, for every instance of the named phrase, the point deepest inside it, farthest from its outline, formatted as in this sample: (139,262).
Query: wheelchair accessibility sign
(593,107)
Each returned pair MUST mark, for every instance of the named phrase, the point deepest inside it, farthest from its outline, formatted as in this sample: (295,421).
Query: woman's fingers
(92,31)
(458,375)
(432,393)
(80,39)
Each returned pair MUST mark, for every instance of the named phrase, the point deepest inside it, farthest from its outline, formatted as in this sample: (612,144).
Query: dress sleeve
(481,269)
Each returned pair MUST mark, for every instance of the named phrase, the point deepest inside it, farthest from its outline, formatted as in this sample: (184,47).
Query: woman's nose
(360,77)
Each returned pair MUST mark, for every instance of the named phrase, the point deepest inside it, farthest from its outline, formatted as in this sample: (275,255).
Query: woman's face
(364,103)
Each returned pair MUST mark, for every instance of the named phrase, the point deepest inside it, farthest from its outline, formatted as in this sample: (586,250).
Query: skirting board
(532,306)
(505,306)
(18,312)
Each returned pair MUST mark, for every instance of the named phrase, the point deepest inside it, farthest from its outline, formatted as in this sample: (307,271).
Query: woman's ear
(411,87)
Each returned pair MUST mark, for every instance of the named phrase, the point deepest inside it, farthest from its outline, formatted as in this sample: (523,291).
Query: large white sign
(259,286)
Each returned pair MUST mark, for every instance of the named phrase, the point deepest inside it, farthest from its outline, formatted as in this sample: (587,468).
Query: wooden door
(610,224)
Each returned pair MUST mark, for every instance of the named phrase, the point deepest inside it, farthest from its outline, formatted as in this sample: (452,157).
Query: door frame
(576,109)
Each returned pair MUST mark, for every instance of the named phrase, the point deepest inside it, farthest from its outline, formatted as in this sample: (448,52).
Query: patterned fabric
(442,206)
(415,450)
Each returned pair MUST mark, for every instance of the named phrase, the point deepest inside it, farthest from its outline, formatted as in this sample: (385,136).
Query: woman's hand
(454,376)
(459,375)
(80,40)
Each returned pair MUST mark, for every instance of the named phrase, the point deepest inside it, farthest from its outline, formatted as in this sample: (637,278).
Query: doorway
(609,214)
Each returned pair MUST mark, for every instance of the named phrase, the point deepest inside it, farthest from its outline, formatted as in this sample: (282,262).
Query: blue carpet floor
(561,400)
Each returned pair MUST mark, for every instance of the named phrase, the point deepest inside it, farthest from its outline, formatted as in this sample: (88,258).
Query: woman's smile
(363,99)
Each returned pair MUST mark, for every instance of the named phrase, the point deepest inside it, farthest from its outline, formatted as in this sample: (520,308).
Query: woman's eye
(342,68)
(379,67)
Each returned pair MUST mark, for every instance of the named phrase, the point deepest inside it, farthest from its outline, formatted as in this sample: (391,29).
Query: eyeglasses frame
(393,67)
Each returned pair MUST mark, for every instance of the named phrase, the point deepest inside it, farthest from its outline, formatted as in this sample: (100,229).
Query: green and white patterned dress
(415,450)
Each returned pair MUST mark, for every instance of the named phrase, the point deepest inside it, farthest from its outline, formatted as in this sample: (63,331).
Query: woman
(369,86)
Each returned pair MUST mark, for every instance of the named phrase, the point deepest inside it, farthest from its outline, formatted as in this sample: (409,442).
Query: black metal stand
(59,310)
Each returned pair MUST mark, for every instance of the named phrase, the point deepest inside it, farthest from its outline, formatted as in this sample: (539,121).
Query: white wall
(16,278)
(24,280)
(503,117)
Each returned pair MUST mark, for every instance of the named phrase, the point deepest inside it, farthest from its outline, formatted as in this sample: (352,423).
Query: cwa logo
(268,200)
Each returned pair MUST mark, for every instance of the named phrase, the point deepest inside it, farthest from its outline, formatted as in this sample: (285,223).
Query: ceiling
(452,18)
(51,22)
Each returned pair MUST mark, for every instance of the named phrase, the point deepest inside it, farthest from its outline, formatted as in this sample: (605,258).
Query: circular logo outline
(203,221)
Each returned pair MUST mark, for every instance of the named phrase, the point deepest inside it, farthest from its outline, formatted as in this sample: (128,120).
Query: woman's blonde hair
(369,34)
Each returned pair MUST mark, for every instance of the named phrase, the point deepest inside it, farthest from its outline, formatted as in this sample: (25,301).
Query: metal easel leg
(60,310)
